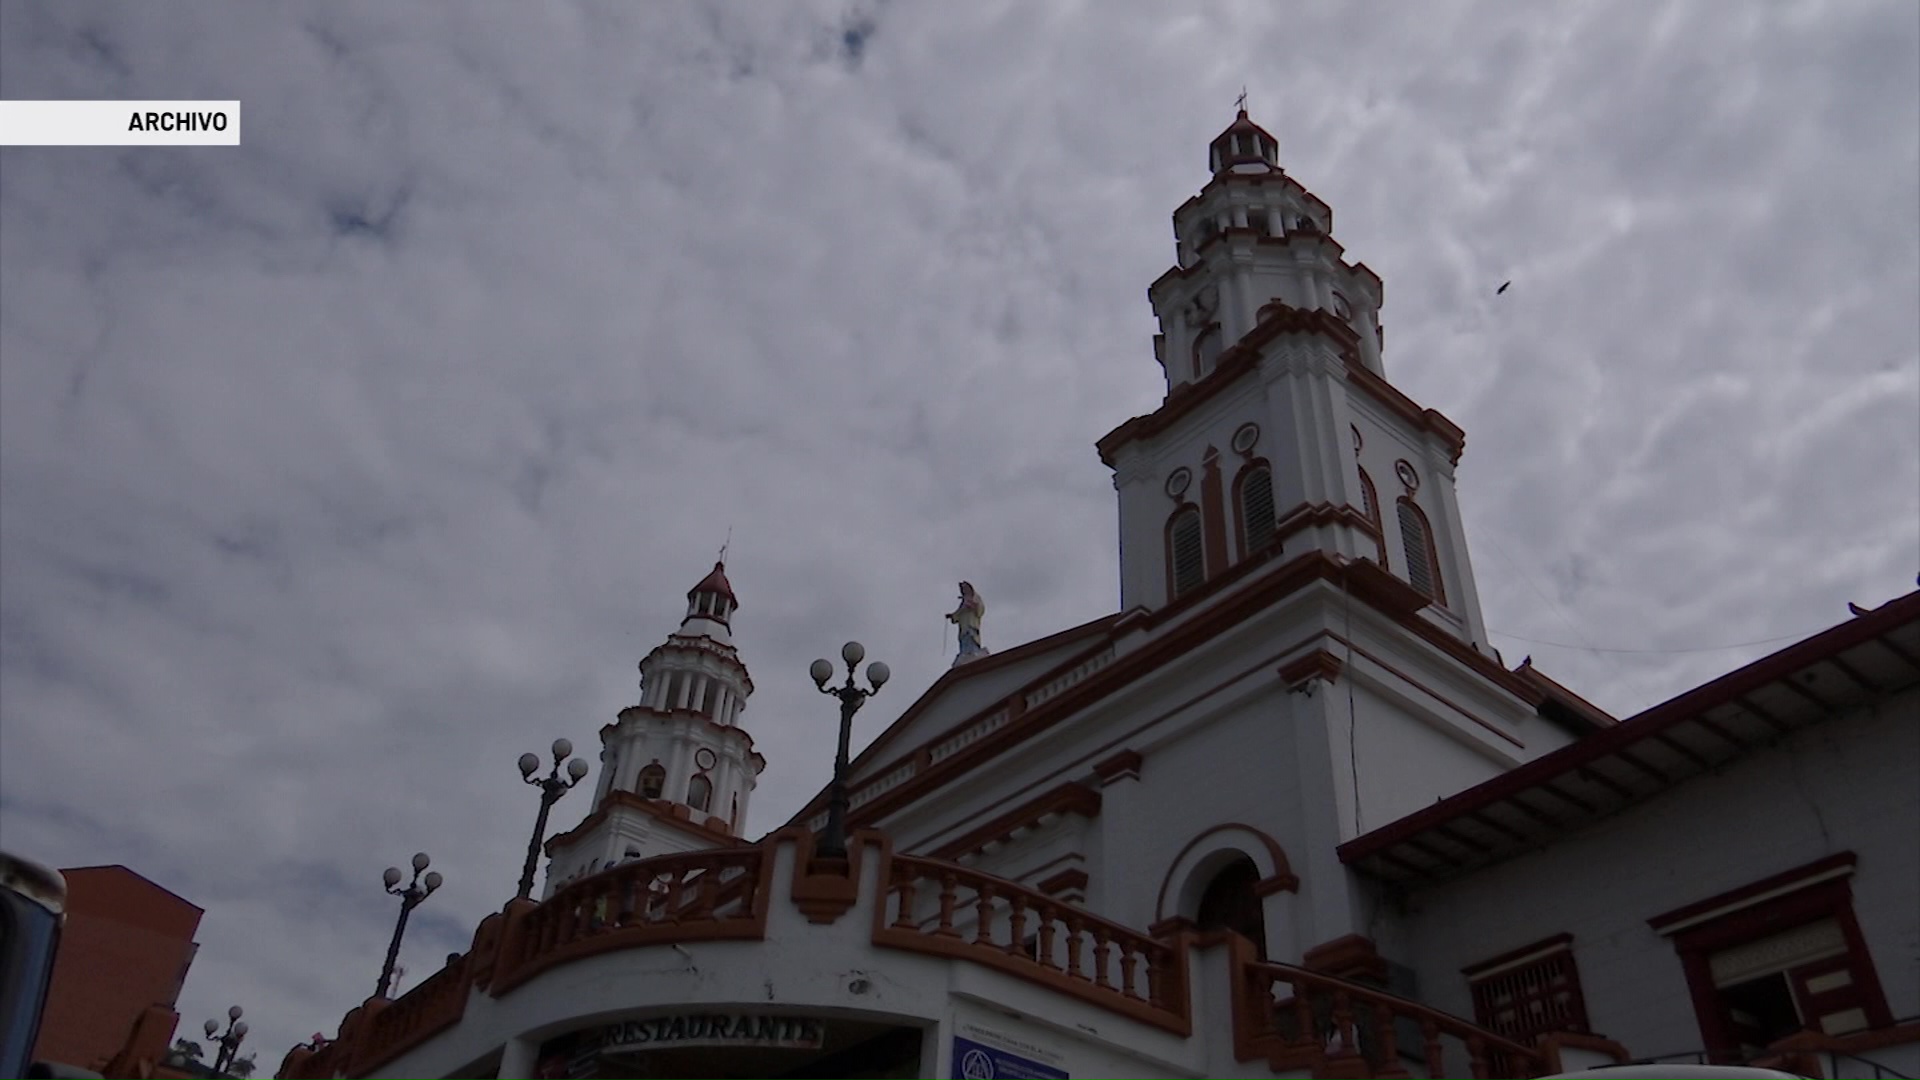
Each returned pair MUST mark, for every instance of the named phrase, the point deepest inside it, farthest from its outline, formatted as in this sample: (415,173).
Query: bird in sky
(1502,288)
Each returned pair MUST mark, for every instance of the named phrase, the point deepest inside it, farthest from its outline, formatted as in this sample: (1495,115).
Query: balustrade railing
(693,896)
(418,1014)
(1304,1019)
(939,907)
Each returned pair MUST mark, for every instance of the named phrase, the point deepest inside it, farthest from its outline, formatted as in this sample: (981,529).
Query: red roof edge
(1862,628)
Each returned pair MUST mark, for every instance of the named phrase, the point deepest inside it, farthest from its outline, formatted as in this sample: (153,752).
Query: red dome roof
(716,582)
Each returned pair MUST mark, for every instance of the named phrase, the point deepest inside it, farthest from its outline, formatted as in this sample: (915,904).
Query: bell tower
(677,769)
(1280,434)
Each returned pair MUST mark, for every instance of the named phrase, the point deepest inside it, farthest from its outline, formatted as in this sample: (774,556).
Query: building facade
(1285,813)
(124,955)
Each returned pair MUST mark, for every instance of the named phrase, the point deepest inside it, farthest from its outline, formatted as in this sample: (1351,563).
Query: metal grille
(1534,999)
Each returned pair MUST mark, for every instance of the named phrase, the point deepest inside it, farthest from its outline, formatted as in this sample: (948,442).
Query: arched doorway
(1230,902)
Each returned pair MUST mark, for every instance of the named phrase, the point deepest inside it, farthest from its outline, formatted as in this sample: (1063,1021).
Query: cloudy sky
(340,468)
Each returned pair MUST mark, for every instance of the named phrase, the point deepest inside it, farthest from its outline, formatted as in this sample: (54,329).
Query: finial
(726,544)
(1240,102)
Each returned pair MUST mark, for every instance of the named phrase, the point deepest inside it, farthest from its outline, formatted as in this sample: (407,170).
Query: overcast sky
(340,468)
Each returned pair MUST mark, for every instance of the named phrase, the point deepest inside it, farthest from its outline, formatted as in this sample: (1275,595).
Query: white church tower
(1280,434)
(677,769)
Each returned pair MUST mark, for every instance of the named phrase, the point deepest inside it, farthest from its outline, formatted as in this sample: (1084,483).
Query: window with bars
(1416,542)
(1257,524)
(1535,993)
(1186,551)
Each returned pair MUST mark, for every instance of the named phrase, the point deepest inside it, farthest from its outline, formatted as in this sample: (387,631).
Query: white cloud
(343,467)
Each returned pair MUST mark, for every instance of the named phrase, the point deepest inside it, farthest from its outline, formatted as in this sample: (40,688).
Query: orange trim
(1237,360)
(1318,664)
(1065,799)
(1352,956)
(1363,580)
(1124,765)
(1728,688)
(1064,881)
(1282,879)
(932,696)
(658,808)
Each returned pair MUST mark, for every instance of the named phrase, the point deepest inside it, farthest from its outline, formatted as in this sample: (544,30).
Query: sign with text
(119,123)
(714,1029)
(980,1061)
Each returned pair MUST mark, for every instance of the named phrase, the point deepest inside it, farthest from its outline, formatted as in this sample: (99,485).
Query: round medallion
(1178,481)
(703,757)
(1404,470)
(1245,438)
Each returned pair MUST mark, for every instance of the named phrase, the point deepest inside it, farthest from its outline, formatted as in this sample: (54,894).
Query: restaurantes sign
(714,1029)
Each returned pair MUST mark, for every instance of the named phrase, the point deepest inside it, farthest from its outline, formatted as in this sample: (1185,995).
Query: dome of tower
(715,583)
(1244,147)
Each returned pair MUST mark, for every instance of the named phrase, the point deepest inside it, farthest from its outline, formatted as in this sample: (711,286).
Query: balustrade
(1300,1018)
(419,1013)
(702,894)
(938,907)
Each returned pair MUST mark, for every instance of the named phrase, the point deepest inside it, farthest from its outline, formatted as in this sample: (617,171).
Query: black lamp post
(229,1042)
(834,844)
(551,788)
(410,898)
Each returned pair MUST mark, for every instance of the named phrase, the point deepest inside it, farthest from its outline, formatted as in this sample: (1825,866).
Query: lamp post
(229,1042)
(410,898)
(834,844)
(551,788)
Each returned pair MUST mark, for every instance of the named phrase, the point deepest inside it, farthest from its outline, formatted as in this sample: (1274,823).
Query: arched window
(1186,557)
(1230,903)
(1370,507)
(1253,501)
(653,780)
(1206,349)
(700,792)
(1423,564)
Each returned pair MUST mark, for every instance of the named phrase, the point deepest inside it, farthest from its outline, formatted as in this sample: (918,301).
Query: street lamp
(551,788)
(229,1042)
(834,844)
(410,898)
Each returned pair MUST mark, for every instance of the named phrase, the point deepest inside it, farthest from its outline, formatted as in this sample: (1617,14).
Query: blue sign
(978,1061)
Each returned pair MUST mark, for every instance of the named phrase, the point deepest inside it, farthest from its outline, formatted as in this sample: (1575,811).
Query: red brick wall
(127,946)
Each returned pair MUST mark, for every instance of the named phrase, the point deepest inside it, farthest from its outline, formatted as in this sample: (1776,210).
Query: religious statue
(967,618)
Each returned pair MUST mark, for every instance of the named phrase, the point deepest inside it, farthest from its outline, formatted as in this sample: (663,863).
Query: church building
(1284,813)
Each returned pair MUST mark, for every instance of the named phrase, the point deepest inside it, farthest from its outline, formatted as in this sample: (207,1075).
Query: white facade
(1284,814)
(676,770)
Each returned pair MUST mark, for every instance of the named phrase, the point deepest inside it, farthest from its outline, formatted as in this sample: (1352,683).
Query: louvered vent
(1418,546)
(1256,509)
(1189,568)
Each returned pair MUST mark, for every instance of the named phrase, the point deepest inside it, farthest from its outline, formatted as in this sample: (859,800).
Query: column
(518,1058)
